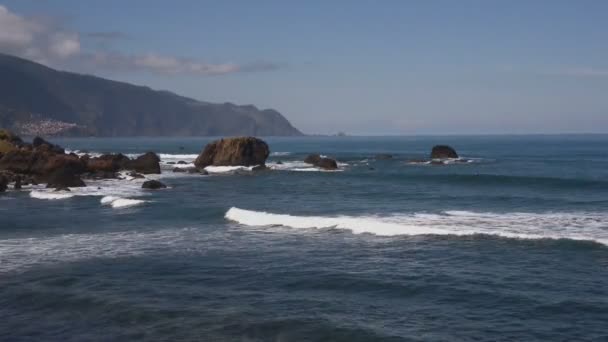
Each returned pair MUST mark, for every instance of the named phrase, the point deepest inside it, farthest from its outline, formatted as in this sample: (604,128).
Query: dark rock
(147,163)
(18,180)
(100,175)
(153,185)
(245,151)
(181,162)
(42,145)
(62,189)
(443,152)
(3,183)
(321,162)
(106,162)
(170,163)
(179,169)
(383,156)
(63,178)
(279,162)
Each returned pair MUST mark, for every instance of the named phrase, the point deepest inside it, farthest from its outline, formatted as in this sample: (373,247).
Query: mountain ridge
(36,99)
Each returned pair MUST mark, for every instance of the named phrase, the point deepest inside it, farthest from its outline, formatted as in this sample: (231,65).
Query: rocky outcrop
(321,162)
(64,178)
(147,163)
(443,152)
(42,145)
(3,183)
(153,185)
(106,163)
(241,151)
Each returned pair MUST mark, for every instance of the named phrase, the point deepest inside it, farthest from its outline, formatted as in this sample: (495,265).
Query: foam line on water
(118,202)
(574,226)
(50,195)
(18,254)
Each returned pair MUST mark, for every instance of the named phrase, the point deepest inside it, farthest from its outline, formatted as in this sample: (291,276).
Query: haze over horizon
(359,67)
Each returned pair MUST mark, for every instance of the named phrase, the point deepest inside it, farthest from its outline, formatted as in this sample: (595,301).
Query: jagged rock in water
(3,183)
(107,163)
(443,152)
(64,178)
(147,163)
(321,162)
(153,185)
(241,151)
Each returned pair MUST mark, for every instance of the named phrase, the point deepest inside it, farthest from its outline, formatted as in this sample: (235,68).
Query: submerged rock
(153,185)
(241,151)
(443,152)
(321,162)
(383,156)
(179,169)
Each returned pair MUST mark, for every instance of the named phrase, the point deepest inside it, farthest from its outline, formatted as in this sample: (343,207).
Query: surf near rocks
(44,162)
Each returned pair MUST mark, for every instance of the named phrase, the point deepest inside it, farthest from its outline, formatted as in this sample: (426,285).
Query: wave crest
(573,226)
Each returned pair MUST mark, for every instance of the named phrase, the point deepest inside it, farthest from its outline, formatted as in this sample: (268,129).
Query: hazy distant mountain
(35,99)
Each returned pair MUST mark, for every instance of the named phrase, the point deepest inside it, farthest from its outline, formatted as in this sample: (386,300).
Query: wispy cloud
(49,43)
(107,35)
(580,72)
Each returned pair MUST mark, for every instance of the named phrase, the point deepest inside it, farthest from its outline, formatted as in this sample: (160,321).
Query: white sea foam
(126,202)
(50,195)
(299,166)
(119,202)
(279,154)
(170,157)
(574,226)
(227,169)
(20,253)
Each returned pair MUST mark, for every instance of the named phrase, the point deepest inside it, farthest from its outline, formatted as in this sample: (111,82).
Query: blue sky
(363,67)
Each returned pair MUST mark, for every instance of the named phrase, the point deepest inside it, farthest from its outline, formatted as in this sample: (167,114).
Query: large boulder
(46,164)
(147,163)
(241,151)
(153,185)
(64,178)
(321,162)
(42,145)
(443,152)
(106,163)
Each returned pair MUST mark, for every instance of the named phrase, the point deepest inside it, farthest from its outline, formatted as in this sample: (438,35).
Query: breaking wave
(573,226)
(48,195)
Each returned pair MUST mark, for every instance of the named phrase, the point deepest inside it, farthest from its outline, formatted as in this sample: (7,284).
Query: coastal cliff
(37,100)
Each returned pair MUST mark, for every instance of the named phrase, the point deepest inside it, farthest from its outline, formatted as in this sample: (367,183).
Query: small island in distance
(38,100)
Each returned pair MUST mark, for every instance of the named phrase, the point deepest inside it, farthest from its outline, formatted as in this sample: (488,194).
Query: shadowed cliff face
(31,93)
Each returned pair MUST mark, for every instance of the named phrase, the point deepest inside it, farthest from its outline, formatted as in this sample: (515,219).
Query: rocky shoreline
(41,162)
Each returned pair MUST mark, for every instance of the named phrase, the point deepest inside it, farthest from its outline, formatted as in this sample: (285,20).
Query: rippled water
(512,245)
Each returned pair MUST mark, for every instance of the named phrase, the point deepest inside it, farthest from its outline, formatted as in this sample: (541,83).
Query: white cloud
(49,44)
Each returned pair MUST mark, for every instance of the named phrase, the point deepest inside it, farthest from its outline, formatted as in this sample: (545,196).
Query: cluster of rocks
(41,162)
(23,163)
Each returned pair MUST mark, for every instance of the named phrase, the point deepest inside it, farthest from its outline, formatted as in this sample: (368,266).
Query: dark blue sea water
(511,246)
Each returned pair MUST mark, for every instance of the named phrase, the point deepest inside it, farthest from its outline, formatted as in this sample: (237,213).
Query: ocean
(511,245)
